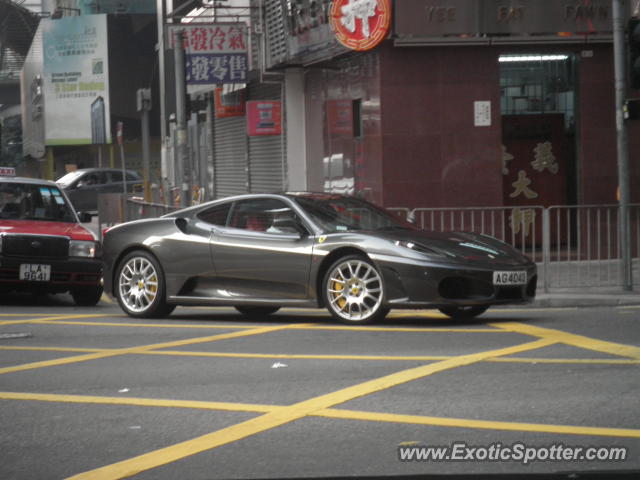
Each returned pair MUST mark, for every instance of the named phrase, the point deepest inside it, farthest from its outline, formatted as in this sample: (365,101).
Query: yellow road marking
(293,356)
(132,466)
(152,325)
(479,424)
(134,350)
(573,339)
(299,326)
(48,319)
(139,402)
(329,413)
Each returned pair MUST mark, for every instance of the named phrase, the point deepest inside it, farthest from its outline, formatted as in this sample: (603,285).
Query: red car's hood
(74,231)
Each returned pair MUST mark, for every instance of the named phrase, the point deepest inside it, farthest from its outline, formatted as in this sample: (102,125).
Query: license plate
(34,272)
(510,278)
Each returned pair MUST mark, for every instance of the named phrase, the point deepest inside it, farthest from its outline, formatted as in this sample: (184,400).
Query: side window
(131,177)
(115,177)
(262,215)
(216,215)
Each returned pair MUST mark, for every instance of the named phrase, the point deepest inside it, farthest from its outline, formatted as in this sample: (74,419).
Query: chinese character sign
(360,24)
(214,53)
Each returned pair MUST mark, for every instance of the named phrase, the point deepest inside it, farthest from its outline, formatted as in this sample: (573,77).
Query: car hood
(74,231)
(458,245)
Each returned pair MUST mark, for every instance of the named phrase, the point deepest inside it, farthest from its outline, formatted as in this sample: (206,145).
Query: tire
(254,312)
(87,297)
(460,313)
(353,291)
(140,286)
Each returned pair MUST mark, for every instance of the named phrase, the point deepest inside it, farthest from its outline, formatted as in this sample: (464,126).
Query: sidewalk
(588,297)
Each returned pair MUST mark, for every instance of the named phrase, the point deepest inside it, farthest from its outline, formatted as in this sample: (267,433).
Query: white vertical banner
(76,80)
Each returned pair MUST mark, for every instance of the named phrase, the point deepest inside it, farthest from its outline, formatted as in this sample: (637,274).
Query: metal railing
(574,246)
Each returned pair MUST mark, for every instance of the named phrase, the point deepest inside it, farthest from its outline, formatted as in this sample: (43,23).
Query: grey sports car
(262,252)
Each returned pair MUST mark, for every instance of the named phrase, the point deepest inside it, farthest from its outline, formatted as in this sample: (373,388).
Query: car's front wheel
(87,297)
(353,291)
(140,286)
(464,312)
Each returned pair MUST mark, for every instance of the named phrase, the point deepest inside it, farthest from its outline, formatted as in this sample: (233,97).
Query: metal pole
(181,117)
(622,142)
(162,87)
(145,154)
(210,170)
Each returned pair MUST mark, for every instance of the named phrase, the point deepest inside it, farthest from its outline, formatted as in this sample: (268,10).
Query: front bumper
(66,274)
(439,285)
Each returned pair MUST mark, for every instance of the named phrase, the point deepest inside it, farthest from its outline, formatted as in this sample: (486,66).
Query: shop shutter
(266,152)
(230,157)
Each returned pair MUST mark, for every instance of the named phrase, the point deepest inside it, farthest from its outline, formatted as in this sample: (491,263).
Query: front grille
(35,246)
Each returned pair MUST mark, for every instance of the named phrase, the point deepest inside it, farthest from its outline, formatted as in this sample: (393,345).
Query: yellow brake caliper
(339,289)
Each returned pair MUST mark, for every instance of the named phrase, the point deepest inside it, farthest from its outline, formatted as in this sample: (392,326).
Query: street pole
(144,105)
(181,117)
(162,87)
(622,142)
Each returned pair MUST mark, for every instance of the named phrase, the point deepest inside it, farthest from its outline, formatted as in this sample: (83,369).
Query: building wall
(433,154)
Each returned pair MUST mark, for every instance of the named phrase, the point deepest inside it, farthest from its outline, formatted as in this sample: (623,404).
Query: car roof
(102,169)
(31,181)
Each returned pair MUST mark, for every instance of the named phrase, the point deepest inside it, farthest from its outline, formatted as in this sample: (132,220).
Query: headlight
(79,248)
(419,248)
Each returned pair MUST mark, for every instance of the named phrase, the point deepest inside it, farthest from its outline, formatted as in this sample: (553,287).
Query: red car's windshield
(24,201)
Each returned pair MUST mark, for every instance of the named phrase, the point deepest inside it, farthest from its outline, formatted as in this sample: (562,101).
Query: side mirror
(85,217)
(288,225)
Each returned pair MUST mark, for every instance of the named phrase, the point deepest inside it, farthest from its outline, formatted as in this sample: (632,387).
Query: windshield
(69,178)
(335,213)
(21,201)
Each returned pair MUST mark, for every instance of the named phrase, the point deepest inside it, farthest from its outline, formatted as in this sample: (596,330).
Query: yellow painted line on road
(293,356)
(154,325)
(572,339)
(139,402)
(329,413)
(24,314)
(135,465)
(135,350)
(479,424)
(48,319)
(532,309)
(362,328)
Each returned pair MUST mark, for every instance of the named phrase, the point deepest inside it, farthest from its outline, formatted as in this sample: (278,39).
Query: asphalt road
(89,393)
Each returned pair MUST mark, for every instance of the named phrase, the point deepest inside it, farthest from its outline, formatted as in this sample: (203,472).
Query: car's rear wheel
(353,291)
(254,312)
(87,297)
(464,312)
(140,286)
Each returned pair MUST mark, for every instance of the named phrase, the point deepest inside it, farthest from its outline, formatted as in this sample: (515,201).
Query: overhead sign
(214,53)
(76,80)
(471,18)
(360,24)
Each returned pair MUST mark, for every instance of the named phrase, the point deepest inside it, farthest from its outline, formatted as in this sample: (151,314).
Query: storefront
(464,103)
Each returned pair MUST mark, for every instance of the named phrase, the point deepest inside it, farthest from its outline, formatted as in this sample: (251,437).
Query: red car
(43,246)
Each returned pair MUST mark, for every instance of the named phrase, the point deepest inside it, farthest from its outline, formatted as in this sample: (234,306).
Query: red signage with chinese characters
(230,104)
(264,117)
(360,24)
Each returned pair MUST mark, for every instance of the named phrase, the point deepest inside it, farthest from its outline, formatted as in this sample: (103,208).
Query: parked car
(43,246)
(261,252)
(84,185)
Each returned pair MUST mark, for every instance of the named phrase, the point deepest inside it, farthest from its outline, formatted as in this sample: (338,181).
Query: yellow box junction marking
(572,339)
(135,465)
(46,319)
(136,350)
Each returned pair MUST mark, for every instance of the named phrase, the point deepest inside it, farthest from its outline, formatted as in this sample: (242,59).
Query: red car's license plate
(34,272)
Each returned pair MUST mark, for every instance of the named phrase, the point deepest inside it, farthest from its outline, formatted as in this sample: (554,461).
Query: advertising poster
(340,117)
(76,80)
(264,117)
(230,104)
(214,53)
